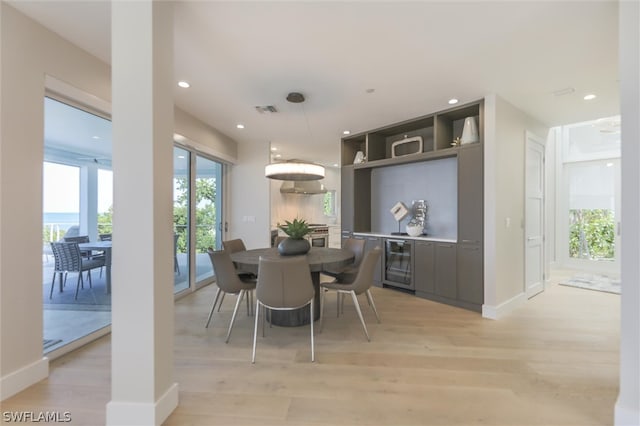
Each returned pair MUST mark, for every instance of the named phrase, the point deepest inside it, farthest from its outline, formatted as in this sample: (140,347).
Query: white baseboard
(497,312)
(21,379)
(624,416)
(133,413)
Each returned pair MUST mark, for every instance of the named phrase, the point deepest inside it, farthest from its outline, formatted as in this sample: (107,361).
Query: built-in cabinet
(448,272)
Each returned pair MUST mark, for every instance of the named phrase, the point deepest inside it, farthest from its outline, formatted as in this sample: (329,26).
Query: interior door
(534,216)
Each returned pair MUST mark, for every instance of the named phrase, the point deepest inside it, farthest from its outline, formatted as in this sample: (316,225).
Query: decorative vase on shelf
(295,244)
(470,131)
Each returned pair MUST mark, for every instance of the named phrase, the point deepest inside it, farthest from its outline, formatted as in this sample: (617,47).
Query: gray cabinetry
(445,270)
(470,226)
(470,198)
(438,269)
(470,274)
(346,198)
(424,267)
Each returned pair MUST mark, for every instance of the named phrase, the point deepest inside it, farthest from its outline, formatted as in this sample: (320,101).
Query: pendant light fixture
(295,169)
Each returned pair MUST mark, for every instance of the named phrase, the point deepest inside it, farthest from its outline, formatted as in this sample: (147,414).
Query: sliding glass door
(181,186)
(77,202)
(197,216)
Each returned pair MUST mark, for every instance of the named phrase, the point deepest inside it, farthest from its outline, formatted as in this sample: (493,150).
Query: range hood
(305,187)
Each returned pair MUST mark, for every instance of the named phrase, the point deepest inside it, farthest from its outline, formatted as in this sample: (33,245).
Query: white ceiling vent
(267,109)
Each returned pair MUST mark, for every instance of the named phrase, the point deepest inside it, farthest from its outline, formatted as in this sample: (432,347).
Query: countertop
(408,237)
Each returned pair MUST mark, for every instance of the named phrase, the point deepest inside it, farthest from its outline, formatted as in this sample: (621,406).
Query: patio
(66,319)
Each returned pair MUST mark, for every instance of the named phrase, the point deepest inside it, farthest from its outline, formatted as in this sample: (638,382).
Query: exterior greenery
(296,229)
(205,214)
(591,234)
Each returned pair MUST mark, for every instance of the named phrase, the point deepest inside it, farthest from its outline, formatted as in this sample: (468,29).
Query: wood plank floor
(552,362)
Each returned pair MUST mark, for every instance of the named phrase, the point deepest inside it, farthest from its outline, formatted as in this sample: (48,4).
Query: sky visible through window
(61,189)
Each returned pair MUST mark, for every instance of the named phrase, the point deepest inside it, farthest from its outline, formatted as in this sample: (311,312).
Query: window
(329,203)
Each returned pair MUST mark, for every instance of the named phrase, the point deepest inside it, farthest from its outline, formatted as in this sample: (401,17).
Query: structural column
(142,388)
(627,410)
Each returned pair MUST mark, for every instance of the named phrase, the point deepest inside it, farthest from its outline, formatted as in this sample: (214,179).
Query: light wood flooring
(552,362)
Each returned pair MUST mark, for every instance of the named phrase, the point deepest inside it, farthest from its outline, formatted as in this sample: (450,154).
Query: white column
(89,201)
(142,388)
(627,409)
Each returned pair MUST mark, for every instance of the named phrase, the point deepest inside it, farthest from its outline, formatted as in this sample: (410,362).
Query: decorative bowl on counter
(414,229)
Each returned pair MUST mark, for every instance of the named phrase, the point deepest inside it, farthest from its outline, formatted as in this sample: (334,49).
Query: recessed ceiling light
(181,157)
(589,97)
(273,148)
(609,164)
(346,132)
(277,156)
(240,126)
(335,164)
(184,84)
(453,101)
(95,137)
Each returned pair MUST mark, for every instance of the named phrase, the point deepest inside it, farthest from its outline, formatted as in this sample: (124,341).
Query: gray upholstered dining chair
(235,246)
(349,272)
(228,281)
(284,283)
(69,259)
(361,284)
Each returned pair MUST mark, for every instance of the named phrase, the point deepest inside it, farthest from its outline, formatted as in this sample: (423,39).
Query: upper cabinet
(436,135)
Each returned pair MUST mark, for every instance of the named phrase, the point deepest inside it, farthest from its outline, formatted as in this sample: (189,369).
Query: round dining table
(319,259)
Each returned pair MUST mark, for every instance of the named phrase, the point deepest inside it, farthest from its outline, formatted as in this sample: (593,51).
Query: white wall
(249,214)
(30,53)
(504,202)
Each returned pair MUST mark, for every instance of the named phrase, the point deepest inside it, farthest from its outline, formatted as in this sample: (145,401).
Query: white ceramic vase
(470,131)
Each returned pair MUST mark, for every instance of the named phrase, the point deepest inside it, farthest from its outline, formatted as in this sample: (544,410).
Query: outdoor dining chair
(68,258)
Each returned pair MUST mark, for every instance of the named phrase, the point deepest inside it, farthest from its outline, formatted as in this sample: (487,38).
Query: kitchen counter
(408,237)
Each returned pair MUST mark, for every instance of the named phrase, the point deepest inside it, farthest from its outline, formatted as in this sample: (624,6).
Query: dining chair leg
(235,311)
(255,331)
(263,319)
(53,283)
(338,304)
(313,350)
(357,305)
(78,285)
(221,300)
(372,304)
(213,307)
(322,292)
(89,275)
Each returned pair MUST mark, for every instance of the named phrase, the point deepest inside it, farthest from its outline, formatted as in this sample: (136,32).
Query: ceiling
(366,64)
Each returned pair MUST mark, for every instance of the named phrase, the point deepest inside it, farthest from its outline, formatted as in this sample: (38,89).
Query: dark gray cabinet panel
(423,266)
(470,273)
(362,200)
(470,195)
(445,270)
(346,198)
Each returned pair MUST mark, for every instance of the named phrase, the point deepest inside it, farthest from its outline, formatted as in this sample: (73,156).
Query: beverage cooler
(397,263)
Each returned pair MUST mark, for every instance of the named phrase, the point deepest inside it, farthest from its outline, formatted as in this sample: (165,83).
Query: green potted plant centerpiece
(295,244)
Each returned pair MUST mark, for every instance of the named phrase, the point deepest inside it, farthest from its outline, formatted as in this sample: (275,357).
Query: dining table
(105,247)
(319,259)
